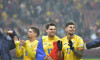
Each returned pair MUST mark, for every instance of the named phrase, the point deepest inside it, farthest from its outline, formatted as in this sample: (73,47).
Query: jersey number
(68,50)
(26,53)
(49,50)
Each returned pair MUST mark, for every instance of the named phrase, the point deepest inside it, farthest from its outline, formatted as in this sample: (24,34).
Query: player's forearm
(60,55)
(18,51)
(46,58)
(78,52)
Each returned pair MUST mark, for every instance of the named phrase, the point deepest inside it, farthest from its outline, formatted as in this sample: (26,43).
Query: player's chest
(48,44)
(31,44)
(66,44)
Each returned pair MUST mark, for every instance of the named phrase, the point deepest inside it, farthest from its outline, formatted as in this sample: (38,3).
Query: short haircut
(69,23)
(50,24)
(36,30)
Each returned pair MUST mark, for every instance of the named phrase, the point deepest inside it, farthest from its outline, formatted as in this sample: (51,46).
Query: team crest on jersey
(31,45)
(26,53)
(73,42)
(65,43)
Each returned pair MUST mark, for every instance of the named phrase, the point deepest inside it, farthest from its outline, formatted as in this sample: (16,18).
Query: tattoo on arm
(78,52)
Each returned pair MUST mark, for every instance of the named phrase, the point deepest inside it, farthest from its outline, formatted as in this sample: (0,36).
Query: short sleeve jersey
(68,53)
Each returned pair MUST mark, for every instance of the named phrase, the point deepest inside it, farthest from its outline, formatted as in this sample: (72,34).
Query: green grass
(82,59)
(91,59)
(17,59)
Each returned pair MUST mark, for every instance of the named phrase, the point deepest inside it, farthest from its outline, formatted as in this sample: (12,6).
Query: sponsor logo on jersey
(65,43)
(31,45)
(45,43)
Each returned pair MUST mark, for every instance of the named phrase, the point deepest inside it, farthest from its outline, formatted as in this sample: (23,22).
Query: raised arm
(15,43)
(12,33)
(19,51)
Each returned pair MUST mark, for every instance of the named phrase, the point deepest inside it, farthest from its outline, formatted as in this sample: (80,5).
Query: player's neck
(69,37)
(32,39)
(50,36)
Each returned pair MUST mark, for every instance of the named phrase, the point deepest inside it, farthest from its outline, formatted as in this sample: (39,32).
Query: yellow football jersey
(68,53)
(48,43)
(28,50)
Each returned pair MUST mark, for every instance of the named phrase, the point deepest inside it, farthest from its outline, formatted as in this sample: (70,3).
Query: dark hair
(69,23)
(50,24)
(36,30)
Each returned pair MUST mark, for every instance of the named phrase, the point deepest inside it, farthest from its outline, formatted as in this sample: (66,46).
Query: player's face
(51,31)
(31,33)
(70,29)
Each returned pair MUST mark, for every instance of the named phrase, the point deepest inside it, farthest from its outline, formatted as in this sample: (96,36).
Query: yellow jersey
(68,53)
(48,43)
(28,50)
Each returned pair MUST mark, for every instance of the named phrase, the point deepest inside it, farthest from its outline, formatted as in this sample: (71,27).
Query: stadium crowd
(21,14)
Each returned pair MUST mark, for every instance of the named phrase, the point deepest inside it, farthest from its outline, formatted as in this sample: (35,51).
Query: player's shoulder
(36,41)
(78,37)
(44,37)
(26,40)
(56,37)
(64,38)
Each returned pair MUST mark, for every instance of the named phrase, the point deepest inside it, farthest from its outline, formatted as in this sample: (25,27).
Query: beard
(71,34)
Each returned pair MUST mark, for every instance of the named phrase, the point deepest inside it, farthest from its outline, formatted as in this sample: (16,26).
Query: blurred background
(20,15)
